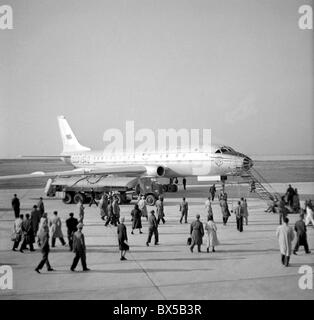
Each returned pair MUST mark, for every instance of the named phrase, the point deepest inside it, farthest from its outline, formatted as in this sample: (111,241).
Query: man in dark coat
(212,191)
(71,224)
(152,228)
(41,206)
(290,194)
(282,210)
(184,183)
(79,248)
(122,239)
(160,210)
(28,233)
(300,229)
(35,217)
(43,242)
(197,233)
(16,206)
(92,198)
(136,219)
(184,208)
(239,212)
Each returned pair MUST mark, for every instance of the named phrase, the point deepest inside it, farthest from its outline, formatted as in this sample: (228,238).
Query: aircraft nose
(247,163)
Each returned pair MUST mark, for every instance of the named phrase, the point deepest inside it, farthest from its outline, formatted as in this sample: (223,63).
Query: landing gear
(171,187)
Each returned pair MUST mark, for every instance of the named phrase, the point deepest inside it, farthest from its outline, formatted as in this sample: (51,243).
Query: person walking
(136,219)
(92,198)
(122,239)
(116,210)
(309,218)
(56,230)
(79,249)
(35,217)
(208,208)
(71,224)
(17,231)
(197,233)
(16,206)
(211,234)
(184,183)
(43,242)
(224,210)
(245,210)
(81,211)
(239,216)
(27,234)
(300,229)
(152,228)
(184,208)
(41,206)
(296,201)
(290,194)
(285,236)
(212,192)
(160,210)
(143,207)
(103,207)
(282,210)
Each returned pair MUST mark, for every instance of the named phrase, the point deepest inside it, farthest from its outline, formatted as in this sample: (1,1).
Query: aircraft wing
(127,170)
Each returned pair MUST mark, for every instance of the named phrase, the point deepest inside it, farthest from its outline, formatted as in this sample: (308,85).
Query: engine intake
(157,171)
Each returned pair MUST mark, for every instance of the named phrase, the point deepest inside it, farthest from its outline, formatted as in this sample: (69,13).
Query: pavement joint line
(146,273)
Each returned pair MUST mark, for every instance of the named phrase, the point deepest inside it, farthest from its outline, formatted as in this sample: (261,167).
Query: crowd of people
(36,225)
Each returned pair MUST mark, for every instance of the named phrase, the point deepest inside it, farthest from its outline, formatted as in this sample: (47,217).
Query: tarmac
(245,265)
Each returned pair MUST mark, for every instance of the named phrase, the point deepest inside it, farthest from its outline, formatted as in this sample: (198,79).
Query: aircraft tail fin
(69,141)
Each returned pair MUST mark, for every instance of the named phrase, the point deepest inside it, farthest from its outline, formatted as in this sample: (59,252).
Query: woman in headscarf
(142,206)
(136,219)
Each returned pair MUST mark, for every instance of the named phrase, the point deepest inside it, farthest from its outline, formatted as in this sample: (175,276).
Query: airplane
(212,164)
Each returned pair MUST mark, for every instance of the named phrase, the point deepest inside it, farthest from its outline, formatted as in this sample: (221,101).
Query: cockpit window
(225,149)
(218,151)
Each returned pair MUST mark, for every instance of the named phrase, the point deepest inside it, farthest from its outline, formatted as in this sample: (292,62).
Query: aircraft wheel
(150,200)
(78,197)
(68,198)
(173,188)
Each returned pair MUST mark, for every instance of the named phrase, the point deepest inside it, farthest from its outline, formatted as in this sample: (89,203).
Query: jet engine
(155,171)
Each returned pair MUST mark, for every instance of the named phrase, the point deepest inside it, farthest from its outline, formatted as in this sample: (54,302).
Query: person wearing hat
(122,239)
(300,229)
(153,228)
(197,233)
(79,248)
(71,224)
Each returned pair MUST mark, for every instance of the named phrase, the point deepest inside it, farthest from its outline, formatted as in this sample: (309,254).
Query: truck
(75,190)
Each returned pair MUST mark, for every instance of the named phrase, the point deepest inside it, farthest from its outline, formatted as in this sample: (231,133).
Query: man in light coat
(285,237)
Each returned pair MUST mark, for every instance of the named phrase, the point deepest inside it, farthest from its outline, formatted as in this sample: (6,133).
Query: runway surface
(245,266)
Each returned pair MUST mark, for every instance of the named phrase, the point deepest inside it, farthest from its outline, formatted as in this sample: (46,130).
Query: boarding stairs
(262,188)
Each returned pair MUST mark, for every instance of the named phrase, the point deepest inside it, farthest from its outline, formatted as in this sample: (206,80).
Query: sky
(241,68)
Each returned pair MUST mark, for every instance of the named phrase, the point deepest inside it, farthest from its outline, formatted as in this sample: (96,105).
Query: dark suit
(72,227)
(152,228)
(300,229)
(28,235)
(43,241)
(79,249)
(16,207)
